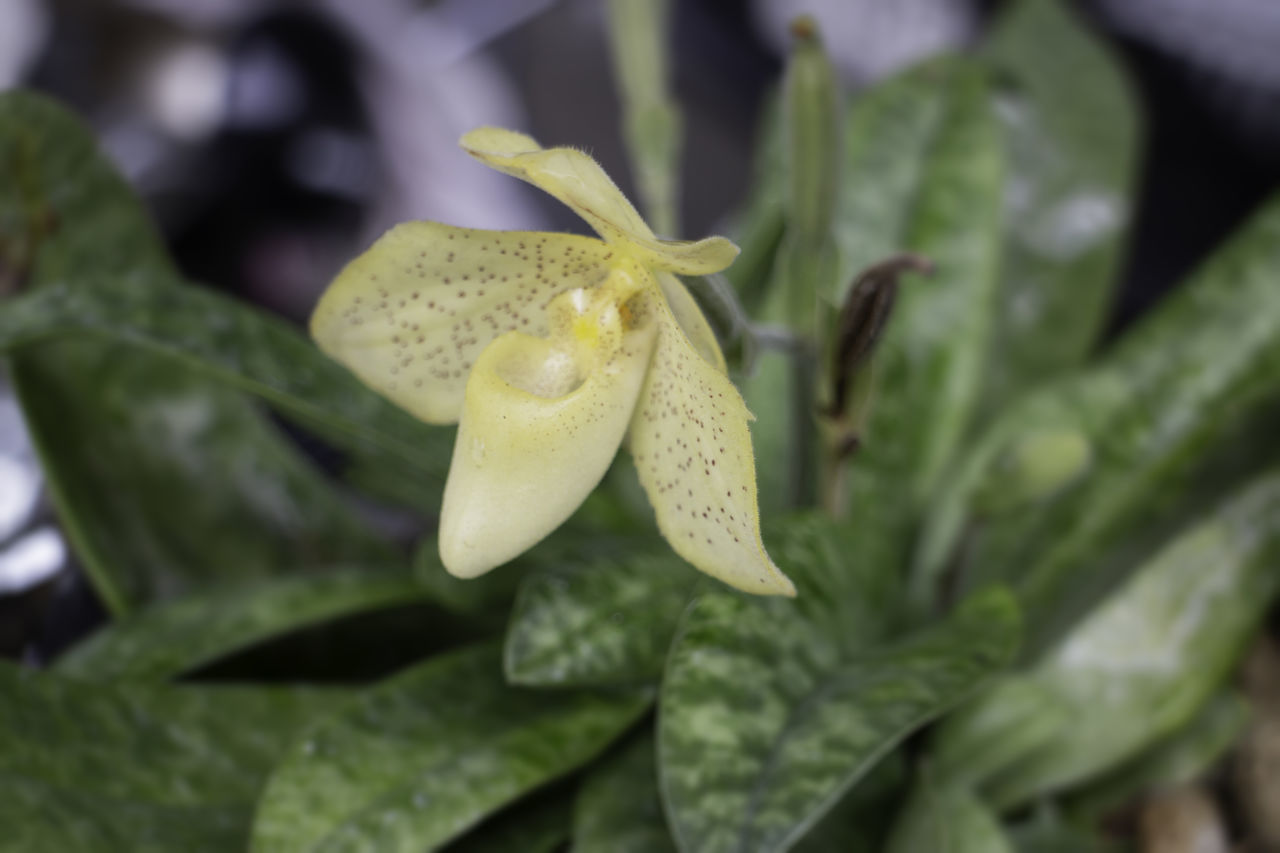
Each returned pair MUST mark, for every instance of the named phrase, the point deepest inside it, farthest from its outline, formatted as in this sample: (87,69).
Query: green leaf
(162,482)
(138,766)
(770,709)
(487,596)
(947,819)
(599,529)
(1046,832)
(618,809)
(1188,382)
(590,622)
(859,822)
(1142,665)
(924,173)
(234,344)
(1180,759)
(536,824)
(1071,126)
(37,816)
(624,608)
(418,759)
(168,639)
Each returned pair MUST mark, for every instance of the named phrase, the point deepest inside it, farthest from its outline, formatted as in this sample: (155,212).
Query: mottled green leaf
(235,344)
(170,638)
(947,819)
(625,606)
(618,809)
(1070,124)
(860,821)
(771,710)
(418,759)
(600,529)
(1141,665)
(606,621)
(924,173)
(162,481)
(1185,386)
(111,767)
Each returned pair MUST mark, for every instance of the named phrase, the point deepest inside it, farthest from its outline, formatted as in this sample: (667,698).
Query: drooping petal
(692,450)
(691,320)
(411,315)
(537,434)
(578,181)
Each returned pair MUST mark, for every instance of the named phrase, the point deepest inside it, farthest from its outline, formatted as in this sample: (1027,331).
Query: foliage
(1028,584)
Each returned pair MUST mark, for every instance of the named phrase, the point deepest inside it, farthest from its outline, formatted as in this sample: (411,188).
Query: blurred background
(274,139)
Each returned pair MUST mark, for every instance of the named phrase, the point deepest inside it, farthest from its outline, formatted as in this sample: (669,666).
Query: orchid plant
(549,351)
(1042,550)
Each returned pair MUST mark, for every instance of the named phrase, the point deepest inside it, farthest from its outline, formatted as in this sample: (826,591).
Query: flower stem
(651,120)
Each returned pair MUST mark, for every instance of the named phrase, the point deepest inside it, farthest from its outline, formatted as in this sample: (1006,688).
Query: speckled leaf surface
(618,809)
(1141,665)
(167,639)
(861,820)
(1071,127)
(139,766)
(847,589)
(1175,388)
(418,759)
(235,344)
(162,481)
(606,621)
(947,819)
(924,173)
(771,710)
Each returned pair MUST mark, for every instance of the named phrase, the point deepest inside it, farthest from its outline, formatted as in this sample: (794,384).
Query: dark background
(275,139)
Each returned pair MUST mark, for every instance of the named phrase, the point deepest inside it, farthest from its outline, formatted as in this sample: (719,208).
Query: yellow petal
(686,257)
(692,450)
(535,437)
(566,173)
(691,320)
(578,181)
(411,315)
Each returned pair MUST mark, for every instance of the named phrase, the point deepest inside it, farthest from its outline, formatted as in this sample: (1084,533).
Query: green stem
(651,120)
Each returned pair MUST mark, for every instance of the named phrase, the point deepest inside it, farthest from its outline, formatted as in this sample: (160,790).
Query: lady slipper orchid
(550,350)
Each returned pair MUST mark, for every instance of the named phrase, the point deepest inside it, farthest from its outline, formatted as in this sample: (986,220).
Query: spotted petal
(537,434)
(411,315)
(692,449)
(578,181)
(691,319)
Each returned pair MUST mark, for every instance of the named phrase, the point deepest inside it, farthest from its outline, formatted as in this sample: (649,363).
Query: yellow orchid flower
(549,350)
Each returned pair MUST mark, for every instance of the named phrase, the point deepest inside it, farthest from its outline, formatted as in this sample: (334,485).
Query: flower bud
(812,138)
